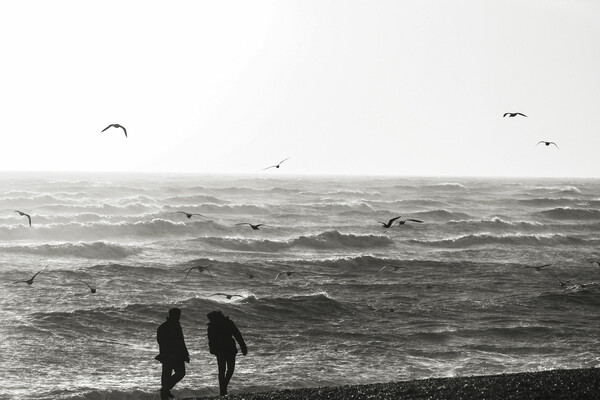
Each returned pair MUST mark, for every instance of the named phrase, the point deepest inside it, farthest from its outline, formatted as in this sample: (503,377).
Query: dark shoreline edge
(553,384)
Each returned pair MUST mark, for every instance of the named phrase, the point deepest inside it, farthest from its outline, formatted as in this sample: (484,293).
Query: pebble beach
(554,384)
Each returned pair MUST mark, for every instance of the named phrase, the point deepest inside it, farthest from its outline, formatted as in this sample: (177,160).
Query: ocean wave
(322,241)
(442,215)
(571,213)
(194,199)
(511,240)
(95,250)
(447,187)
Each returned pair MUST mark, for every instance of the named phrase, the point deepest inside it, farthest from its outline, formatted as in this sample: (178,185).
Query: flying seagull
(229,296)
(548,143)
(92,289)
(289,273)
(189,215)
(561,282)
(394,267)
(511,115)
(277,165)
(539,268)
(255,227)
(200,268)
(408,220)
(389,223)
(30,280)
(26,215)
(116,126)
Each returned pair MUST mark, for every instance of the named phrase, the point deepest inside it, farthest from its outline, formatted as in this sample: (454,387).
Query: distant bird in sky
(229,296)
(394,267)
(255,227)
(30,280)
(539,268)
(189,215)
(116,126)
(23,214)
(276,165)
(389,223)
(200,268)
(288,273)
(409,220)
(511,115)
(548,143)
(92,289)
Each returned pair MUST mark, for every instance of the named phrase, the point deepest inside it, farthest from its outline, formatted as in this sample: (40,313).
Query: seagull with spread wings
(200,268)
(22,214)
(255,227)
(116,126)
(288,273)
(276,165)
(548,143)
(30,280)
(511,114)
(229,296)
(389,223)
(189,215)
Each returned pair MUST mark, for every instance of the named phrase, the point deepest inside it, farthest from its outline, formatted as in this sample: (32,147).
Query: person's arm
(238,336)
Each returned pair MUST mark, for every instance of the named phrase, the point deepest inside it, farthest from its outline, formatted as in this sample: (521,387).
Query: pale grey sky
(342,87)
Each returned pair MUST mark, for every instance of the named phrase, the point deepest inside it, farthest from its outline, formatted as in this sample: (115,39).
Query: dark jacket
(171,345)
(220,338)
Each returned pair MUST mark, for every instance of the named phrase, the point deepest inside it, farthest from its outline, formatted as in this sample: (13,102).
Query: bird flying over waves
(229,296)
(561,282)
(409,220)
(276,165)
(30,280)
(200,268)
(255,227)
(189,215)
(548,143)
(116,126)
(92,289)
(394,267)
(390,222)
(23,214)
(539,268)
(289,273)
(511,115)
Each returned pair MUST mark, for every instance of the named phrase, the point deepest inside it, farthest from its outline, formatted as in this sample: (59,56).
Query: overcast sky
(341,87)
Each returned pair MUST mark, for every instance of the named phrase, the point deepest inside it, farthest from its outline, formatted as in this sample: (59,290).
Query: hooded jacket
(221,334)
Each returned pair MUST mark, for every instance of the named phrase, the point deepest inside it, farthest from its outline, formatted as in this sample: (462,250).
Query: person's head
(174,314)
(214,316)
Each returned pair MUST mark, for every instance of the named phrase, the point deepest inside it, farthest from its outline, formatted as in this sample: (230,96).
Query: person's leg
(230,368)
(164,380)
(177,376)
(222,363)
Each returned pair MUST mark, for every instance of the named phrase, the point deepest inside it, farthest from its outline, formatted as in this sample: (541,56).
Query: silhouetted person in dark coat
(172,352)
(221,331)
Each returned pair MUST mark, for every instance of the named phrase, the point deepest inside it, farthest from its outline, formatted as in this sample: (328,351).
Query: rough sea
(455,295)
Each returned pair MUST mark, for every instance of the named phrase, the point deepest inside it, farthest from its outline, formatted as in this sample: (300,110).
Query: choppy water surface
(461,302)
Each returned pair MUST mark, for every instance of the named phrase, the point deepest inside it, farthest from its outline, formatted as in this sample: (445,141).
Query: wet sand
(555,384)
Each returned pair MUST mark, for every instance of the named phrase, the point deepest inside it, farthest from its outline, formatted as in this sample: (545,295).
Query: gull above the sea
(389,223)
(255,227)
(276,165)
(288,273)
(24,215)
(511,115)
(189,215)
(116,126)
(229,296)
(92,289)
(409,220)
(200,268)
(30,280)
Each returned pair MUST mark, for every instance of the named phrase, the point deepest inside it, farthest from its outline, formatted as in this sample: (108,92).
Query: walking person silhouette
(221,334)
(172,353)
